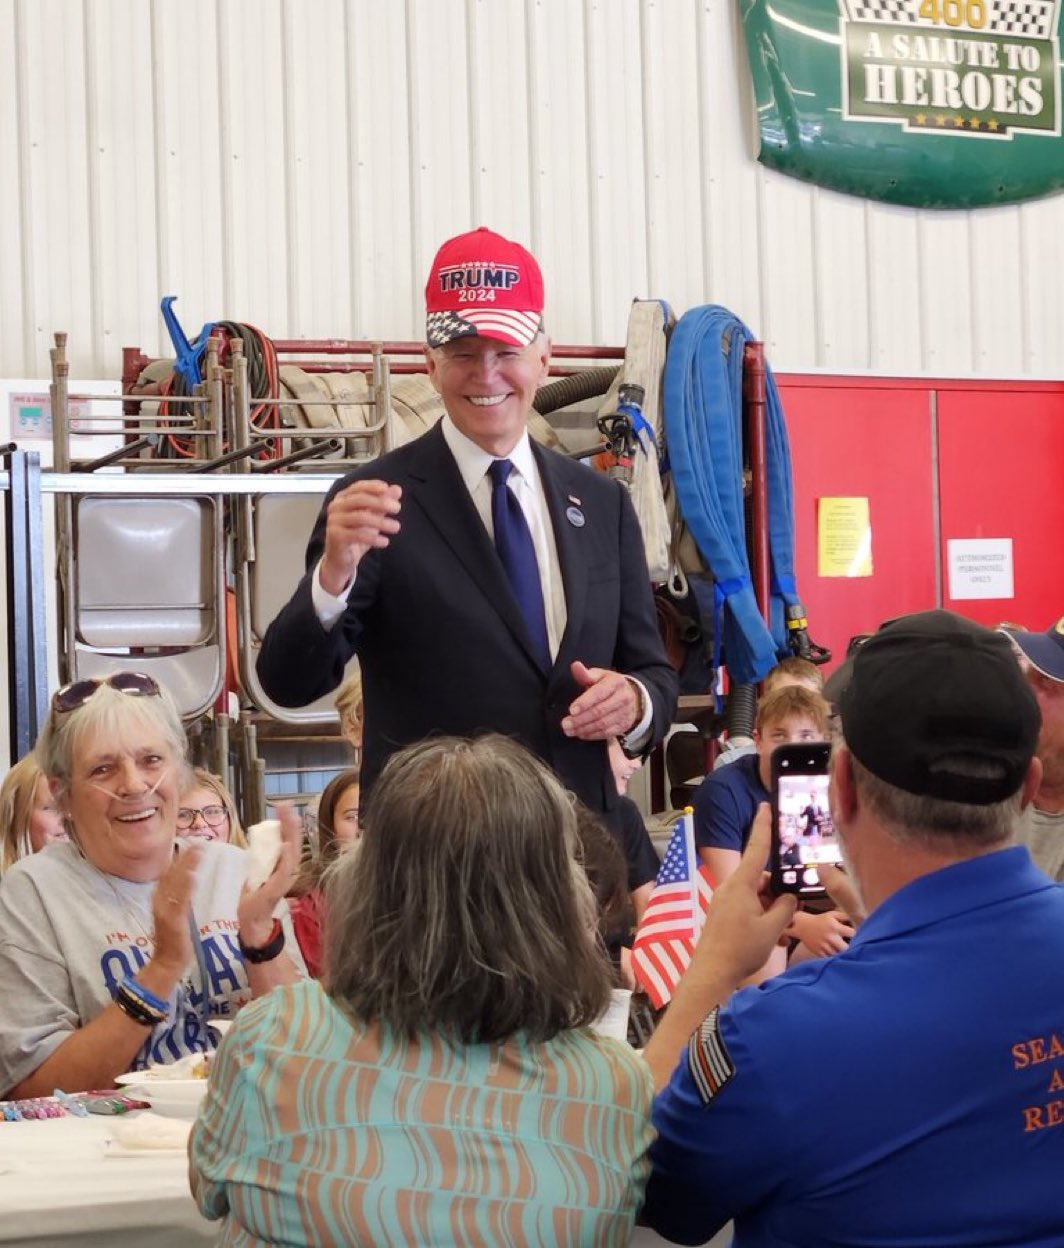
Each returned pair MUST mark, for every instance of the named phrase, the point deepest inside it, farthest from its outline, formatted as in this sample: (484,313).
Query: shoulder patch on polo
(708,1060)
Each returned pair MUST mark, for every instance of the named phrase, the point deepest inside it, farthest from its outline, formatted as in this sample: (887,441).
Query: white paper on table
(147,1135)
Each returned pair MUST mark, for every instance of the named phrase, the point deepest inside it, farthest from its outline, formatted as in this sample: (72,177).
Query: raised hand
(255,909)
(362,517)
(170,908)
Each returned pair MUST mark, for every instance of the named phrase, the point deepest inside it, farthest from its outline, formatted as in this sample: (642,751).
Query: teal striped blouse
(320,1130)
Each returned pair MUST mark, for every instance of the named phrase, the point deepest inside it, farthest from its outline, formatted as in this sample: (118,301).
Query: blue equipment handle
(189,354)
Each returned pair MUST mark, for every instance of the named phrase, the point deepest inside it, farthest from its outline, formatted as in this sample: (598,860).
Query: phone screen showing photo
(805,834)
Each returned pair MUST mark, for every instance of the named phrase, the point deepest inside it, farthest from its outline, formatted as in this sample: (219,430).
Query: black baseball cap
(932,688)
(840,677)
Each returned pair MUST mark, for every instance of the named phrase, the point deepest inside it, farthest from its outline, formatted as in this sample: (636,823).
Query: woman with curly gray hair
(442,1085)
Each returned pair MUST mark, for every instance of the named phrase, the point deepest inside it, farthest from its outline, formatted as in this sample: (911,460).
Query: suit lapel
(438,489)
(571,554)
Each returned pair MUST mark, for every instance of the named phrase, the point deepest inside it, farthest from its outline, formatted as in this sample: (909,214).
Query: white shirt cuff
(328,607)
(636,738)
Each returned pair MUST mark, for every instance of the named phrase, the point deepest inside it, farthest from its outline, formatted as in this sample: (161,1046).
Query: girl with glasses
(207,811)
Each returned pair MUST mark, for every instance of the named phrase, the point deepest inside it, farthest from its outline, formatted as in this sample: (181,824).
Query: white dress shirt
(524,480)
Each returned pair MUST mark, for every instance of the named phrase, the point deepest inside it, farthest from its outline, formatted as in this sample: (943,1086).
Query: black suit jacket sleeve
(300,659)
(640,651)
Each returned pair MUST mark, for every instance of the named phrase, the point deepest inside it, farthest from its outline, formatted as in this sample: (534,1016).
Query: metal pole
(37,656)
(27,683)
(754,398)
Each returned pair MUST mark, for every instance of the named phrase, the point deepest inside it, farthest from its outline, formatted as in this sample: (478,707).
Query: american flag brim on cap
(516,328)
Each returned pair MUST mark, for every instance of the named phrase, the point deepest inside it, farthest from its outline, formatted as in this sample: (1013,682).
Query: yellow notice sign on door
(844,537)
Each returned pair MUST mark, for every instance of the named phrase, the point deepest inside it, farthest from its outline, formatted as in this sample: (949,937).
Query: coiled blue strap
(703,431)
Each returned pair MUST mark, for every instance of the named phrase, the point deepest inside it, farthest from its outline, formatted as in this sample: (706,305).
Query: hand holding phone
(803,833)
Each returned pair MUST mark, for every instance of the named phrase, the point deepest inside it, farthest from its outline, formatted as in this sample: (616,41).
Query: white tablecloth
(58,1187)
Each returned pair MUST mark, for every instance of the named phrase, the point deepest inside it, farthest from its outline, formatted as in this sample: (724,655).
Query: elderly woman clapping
(116,951)
(444,1086)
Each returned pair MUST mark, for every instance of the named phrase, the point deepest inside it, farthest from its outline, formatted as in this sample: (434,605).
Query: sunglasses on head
(76,694)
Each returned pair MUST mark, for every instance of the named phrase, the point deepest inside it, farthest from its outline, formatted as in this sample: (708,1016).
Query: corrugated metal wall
(294,163)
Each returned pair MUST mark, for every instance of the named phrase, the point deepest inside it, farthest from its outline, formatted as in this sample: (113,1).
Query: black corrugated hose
(582,385)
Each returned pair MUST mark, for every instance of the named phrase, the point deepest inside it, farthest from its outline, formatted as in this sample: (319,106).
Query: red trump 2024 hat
(483,284)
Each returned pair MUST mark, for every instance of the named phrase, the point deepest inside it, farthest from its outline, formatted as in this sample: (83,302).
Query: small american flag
(670,927)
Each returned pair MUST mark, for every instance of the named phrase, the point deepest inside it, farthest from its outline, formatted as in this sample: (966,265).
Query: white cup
(614,1023)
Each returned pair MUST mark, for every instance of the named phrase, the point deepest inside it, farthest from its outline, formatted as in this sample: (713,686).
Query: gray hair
(464,907)
(109,716)
(934,823)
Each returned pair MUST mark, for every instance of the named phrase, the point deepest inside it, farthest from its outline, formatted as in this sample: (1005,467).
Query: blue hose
(703,432)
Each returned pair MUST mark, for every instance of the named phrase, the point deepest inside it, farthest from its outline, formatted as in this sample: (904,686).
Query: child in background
(337,828)
(790,671)
(207,812)
(793,671)
(348,703)
(727,801)
(29,818)
(607,873)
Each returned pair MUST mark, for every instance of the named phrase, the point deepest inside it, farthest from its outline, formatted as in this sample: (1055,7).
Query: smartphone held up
(803,834)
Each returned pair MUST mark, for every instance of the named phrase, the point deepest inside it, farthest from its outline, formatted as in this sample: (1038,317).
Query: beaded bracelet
(146,998)
(268,951)
(129,1002)
(131,1009)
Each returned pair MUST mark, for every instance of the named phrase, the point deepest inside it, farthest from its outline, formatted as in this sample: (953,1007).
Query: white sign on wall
(980,567)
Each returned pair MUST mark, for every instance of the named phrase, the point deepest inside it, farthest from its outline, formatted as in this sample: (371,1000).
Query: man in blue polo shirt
(910,1090)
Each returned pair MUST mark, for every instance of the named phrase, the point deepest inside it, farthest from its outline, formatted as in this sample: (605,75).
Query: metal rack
(194,617)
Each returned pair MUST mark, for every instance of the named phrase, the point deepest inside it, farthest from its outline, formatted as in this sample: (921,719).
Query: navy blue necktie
(513,541)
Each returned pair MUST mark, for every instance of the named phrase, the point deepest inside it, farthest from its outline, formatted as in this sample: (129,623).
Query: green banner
(932,103)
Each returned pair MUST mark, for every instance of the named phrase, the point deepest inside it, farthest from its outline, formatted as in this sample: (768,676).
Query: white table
(58,1187)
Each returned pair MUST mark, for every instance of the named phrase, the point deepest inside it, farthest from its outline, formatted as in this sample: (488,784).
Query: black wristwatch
(268,951)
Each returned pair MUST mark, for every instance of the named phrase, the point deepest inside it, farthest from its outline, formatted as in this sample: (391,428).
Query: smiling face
(122,801)
(202,804)
(488,386)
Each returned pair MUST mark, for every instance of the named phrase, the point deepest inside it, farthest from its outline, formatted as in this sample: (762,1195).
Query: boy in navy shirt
(727,801)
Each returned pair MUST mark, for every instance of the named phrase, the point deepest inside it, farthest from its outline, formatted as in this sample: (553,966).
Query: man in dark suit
(484,582)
